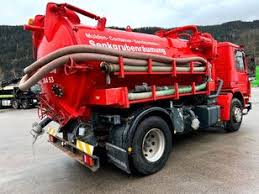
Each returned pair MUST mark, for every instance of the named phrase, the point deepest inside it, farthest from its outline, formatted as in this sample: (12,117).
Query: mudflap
(118,156)
(117,147)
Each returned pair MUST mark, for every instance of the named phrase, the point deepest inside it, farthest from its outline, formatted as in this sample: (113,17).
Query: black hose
(218,90)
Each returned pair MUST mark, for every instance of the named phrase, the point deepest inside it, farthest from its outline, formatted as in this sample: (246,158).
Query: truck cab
(231,66)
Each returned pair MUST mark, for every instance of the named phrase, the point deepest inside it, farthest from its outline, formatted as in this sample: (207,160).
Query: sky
(139,13)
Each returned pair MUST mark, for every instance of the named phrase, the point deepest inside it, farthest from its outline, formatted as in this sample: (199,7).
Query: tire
(25,104)
(236,116)
(150,156)
(15,104)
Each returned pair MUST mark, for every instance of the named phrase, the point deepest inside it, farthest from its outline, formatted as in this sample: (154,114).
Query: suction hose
(81,53)
(107,51)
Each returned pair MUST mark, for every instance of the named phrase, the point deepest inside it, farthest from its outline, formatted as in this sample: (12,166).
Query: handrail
(179,30)
(81,11)
(101,20)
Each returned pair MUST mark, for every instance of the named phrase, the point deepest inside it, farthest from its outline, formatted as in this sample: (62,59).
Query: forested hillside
(16,52)
(243,33)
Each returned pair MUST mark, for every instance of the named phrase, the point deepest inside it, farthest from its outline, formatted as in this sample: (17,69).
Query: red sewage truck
(121,96)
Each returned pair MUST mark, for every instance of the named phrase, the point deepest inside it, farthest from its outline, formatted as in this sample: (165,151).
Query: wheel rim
(15,104)
(153,145)
(24,104)
(237,114)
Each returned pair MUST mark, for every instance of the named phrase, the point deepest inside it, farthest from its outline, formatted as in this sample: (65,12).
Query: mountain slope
(15,51)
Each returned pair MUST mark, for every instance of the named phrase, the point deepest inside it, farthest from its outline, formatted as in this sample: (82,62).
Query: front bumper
(248,107)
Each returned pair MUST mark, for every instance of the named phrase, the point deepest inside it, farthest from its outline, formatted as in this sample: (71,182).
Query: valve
(37,128)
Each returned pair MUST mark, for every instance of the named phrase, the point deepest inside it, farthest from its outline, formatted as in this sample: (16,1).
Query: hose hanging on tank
(81,53)
(77,49)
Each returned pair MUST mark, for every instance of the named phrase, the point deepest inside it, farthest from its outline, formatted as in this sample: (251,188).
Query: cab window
(239,60)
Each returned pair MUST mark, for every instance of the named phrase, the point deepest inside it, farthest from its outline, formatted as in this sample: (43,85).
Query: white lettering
(126,47)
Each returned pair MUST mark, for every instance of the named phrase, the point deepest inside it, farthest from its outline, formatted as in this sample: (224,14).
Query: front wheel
(236,116)
(152,145)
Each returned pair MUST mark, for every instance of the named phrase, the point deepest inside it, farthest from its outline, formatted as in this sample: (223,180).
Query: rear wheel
(25,104)
(236,116)
(152,144)
(15,104)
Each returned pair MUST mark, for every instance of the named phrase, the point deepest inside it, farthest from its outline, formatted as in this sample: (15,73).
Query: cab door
(241,78)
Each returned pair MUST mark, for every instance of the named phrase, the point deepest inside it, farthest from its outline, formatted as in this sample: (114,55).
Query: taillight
(88,160)
(52,139)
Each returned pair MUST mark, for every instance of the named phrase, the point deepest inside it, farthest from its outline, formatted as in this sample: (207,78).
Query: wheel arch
(153,111)
(239,96)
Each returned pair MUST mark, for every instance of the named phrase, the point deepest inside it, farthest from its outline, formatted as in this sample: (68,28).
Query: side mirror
(251,66)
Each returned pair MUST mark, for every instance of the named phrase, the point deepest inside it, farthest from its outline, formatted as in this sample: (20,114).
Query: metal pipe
(182,89)
(129,68)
